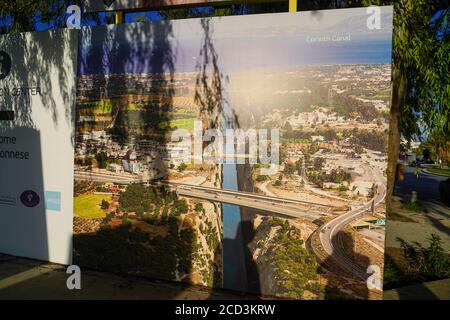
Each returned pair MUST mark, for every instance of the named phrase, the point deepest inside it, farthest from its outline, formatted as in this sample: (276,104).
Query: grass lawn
(103,106)
(444,171)
(187,124)
(88,205)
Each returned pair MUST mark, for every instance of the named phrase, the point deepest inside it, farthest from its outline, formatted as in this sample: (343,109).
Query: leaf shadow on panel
(39,81)
(129,101)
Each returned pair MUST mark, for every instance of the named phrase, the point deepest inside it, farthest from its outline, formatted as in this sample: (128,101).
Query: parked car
(444,191)
(415,163)
(418,163)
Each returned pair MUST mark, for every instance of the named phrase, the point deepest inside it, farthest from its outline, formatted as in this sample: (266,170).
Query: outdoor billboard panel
(242,152)
(37,100)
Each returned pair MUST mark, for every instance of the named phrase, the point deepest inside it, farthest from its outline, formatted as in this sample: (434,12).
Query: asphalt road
(291,210)
(329,239)
(426,185)
(433,219)
(252,195)
(104,177)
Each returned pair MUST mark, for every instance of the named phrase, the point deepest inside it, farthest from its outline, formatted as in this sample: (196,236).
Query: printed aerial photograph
(227,153)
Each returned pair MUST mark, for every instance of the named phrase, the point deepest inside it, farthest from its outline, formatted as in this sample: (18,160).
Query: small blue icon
(53,200)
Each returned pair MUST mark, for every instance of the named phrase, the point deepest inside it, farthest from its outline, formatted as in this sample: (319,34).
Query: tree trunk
(397,102)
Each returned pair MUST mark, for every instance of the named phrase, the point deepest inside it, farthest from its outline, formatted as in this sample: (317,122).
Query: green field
(187,124)
(105,106)
(443,171)
(88,205)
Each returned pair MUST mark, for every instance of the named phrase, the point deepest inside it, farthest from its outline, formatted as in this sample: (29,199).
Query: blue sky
(267,40)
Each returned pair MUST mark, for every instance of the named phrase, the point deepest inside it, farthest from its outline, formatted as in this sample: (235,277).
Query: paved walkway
(434,219)
(30,279)
(434,290)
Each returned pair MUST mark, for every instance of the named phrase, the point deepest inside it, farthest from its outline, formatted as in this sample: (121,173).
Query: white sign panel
(37,95)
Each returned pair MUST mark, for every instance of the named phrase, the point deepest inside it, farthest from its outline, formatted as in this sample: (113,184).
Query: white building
(131,166)
(114,167)
(317,138)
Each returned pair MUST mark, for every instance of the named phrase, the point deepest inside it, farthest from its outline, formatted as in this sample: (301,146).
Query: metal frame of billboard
(141,5)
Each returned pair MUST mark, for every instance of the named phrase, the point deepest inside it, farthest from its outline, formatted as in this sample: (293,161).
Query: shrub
(426,264)
(104,205)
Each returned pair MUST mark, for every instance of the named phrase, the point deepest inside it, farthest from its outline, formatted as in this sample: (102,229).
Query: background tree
(439,146)
(319,163)
(420,87)
(288,127)
(426,154)
(23,15)
(104,205)
(182,167)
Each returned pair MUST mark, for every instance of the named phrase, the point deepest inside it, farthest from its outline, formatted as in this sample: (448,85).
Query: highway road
(329,239)
(104,177)
(286,207)
(248,194)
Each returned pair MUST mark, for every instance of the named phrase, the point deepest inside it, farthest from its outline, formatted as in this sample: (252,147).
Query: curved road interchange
(329,237)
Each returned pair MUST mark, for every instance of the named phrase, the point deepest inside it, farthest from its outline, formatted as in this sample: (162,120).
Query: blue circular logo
(30,198)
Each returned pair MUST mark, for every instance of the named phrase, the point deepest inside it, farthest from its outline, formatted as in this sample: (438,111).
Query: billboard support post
(119,17)
(292,5)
